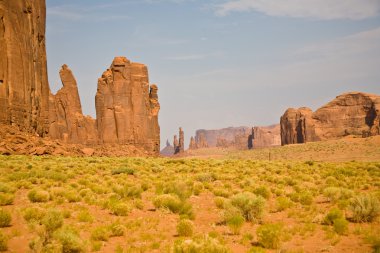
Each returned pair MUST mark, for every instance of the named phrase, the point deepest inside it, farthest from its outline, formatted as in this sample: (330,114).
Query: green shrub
(33,214)
(5,218)
(340,226)
(169,201)
(197,188)
(250,205)
(332,215)
(200,245)
(269,235)
(38,196)
(256,250)
(365,208)
(283,203)
(120,208)
(219,202)
(185,228)
(123,170)
(6,199)
(52,220)
(262,191)
(72,196)
(306,198)
(100,234)
(116,229)
(85,216)
(235,223)
(3,242)
(70,240)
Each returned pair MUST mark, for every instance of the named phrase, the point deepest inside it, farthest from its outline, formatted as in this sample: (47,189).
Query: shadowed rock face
(353,113)
(127,106)
(24,89)
(67,121)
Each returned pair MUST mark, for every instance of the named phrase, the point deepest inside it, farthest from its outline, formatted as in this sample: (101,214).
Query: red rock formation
(193,144)
(24,89)
(353,113)
(239,137)
(201,140)
(268,136)
(127,107)
(179,145)
(67,121)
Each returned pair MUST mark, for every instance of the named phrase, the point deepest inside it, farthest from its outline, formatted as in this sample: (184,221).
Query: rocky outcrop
(179,145)
(67,122)
(193,144)
(267,136)
(24,89)
(241,137)
(353,113)
(168,150)
(127,106)
(201,141)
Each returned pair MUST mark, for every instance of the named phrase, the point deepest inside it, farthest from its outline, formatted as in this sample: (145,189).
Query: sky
(221,63)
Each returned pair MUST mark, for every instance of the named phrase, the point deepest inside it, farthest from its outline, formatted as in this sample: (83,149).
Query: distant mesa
(238,137)
(127,105)
(353,113)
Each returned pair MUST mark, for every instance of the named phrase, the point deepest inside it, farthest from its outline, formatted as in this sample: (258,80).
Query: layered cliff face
(353,113)
(127,106)
(239,137)
(24,89)
(67,121)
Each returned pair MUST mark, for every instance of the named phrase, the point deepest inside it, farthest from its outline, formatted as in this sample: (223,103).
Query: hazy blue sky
(221,63)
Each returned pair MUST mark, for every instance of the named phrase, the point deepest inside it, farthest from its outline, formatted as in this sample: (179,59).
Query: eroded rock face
(193,144)
(127,106)
(179,145)
(353,113)
(240,137)
(24,89)
(67,122)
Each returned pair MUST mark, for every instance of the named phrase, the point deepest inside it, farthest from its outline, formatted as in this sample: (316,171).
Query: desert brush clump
(204,244)
(5,218)
(250,206)
(364,208)
(38,196)
(269,235)
(185,227)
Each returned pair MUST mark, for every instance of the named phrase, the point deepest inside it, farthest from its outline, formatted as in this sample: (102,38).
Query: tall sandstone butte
(24,88)
(353,113)
(127,106)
